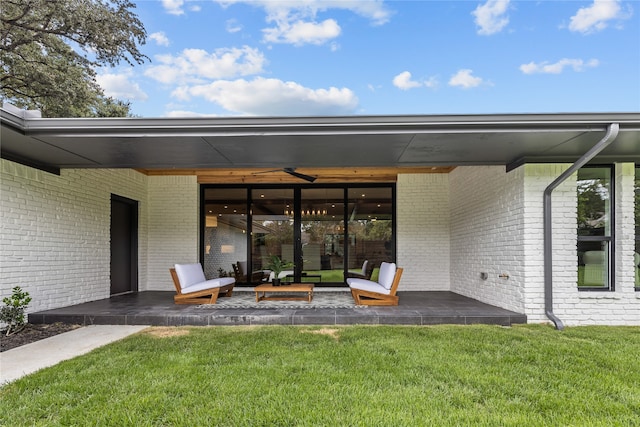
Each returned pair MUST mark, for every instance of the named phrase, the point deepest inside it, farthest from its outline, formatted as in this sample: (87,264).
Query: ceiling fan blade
(271,171)
(292,171)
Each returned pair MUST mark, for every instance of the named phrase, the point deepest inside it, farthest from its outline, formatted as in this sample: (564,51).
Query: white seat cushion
(367,285)
(386,275)
(189,274)
(209,284)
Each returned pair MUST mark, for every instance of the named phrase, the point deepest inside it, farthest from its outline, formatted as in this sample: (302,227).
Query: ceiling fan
(292,172)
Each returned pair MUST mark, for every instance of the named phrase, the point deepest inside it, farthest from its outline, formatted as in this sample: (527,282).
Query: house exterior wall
(618,307)
(497,227)
(564,233)
(55,232)
(422,215)
(487,233)
(173,227)
(450,228)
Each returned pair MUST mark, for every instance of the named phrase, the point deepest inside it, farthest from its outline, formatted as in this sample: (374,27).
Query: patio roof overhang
(314,142)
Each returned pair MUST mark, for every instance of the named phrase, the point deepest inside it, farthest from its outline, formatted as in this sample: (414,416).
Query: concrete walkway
(30,358)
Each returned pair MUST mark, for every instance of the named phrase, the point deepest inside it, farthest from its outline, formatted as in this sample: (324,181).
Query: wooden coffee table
(284,292)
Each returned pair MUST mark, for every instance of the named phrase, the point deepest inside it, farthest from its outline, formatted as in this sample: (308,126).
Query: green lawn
(341,376)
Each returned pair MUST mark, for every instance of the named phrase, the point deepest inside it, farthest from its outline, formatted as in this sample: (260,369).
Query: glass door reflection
(272,231)
(322,235)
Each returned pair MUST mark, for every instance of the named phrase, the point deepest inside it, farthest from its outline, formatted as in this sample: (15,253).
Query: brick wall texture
(451,228)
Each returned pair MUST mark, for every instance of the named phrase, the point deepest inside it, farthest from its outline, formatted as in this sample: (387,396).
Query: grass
(332,376)
(335,276)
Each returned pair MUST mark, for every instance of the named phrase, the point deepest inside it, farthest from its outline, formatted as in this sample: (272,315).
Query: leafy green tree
(592,195)
(50,50)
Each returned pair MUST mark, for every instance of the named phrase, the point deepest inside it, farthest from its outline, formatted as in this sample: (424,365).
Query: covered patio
(468,222)
(156,308)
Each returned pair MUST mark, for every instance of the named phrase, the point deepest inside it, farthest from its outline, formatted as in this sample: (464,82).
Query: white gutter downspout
(612,133)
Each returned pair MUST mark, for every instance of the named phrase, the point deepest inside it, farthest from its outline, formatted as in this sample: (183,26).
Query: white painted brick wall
(487,206)
(56,229)
(55,236)
(573,307)
(622,306)
(423,231)
(173,227)
(565,270)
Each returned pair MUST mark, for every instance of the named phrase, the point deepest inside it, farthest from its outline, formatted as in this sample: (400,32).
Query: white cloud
(595,17)
(176,7)
(173,7)
(296,22)
(374,10)
(558,67)
(273,97)
(465,79)
(119,86)
(491,16)
(183,113)
(160,38)
(403,81)
(196,65)
(300,33)
(232,26)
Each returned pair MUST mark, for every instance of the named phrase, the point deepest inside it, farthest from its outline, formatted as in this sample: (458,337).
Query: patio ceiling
(313,142)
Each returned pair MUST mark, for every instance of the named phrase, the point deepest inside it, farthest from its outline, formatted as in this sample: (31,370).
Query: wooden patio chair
(193,288)
(363,273)
(242,277)
(382,292)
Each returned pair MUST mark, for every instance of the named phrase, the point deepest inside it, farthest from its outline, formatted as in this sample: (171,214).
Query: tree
(50,49)
(592,198)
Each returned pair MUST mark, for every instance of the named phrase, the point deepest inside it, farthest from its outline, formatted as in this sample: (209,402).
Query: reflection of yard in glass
(331,276)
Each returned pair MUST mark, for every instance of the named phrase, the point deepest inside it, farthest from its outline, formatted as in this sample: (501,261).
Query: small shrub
(12,313)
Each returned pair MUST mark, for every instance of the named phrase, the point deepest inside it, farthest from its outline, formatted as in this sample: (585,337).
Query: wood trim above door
(325,175)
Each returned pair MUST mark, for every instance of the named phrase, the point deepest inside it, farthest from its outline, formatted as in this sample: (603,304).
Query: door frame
(297,190)
(133,243)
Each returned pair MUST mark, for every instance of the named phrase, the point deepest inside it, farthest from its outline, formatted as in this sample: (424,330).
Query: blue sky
(361,57)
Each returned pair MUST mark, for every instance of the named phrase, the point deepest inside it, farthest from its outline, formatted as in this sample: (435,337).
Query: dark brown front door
(124,245)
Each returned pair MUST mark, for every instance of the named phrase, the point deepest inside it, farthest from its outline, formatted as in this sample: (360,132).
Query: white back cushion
(387,273)
(365,265)
(189,274)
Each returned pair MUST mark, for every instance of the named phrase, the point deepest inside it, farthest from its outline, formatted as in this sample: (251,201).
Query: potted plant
(276,265)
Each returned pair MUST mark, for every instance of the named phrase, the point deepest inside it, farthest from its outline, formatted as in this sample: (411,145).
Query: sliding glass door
(322,229)
(321,233)
(224,231)
(370,240)
(272,231)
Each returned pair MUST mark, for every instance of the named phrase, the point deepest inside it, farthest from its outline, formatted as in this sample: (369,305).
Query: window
(370,224)
(322,232)
(224,234)
(637,253)
(595,228)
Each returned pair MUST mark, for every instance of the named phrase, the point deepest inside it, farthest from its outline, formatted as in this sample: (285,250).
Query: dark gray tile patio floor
(157,308)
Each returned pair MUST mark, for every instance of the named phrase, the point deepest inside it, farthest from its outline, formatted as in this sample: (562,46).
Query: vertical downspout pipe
(610,136)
